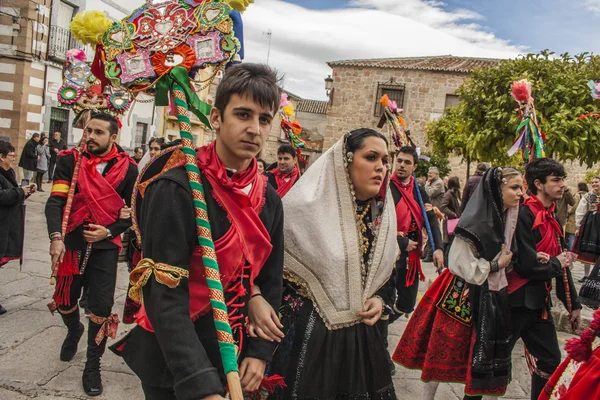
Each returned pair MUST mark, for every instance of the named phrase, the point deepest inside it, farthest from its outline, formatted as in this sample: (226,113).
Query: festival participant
(261,165)
(286,174)
(530,282)
(90,249)
(587,221)
(174,349)
(410,224)
(447,328)
(340,248)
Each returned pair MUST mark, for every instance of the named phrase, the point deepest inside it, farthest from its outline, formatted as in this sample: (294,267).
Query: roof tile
(447,63)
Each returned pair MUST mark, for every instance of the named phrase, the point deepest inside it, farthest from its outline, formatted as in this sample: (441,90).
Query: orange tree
(483,126)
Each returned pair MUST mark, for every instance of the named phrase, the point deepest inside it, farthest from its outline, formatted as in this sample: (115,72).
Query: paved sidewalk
(30,337)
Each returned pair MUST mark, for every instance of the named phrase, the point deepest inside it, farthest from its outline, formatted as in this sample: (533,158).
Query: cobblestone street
(30,337)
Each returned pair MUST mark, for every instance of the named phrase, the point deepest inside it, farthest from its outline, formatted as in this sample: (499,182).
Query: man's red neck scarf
(96,201)
(407,210)
(285,181)
(550,230)
(242,250)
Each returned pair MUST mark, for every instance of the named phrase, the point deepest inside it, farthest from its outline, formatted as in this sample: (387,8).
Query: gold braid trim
(163,273)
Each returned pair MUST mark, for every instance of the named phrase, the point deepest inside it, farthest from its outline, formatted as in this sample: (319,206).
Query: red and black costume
(530,284)
(410,222)
(174,349)
(283,182)
(99,196)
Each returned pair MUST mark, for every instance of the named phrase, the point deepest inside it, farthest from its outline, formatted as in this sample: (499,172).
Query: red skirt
(575,381)
(439,337)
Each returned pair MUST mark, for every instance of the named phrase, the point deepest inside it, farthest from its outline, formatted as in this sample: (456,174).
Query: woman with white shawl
(340,250)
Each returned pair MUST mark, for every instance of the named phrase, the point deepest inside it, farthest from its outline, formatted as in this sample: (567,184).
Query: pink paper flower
(521,90)
(393,106)
(76,54)
(284,100)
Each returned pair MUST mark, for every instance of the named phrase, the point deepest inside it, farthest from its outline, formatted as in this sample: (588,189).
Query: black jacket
(533,294)
(182,354)
(56,144)
(29,156)
(56,204)
(12,213)
(433,222)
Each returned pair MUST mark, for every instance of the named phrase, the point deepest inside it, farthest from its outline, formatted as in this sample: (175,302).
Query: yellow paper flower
(288,110)
(89,26)
(240,5)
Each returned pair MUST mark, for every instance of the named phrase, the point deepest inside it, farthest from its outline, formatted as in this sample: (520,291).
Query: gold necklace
(362,228)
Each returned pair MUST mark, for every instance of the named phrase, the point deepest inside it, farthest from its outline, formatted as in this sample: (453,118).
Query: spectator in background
(562,207)
(155,145)
(435,190)
(451,209)
(138,153)
(43,153)
(446,180)
(28,161)
(12,212)
(472,184)
(56,145)
(262,165)
(571,228)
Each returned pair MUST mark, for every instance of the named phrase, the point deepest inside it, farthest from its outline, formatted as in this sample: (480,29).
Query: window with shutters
(395,91)
(59,121)
(452,100)
(141,135)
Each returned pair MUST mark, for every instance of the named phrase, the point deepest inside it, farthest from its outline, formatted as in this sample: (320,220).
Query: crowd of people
(314,265)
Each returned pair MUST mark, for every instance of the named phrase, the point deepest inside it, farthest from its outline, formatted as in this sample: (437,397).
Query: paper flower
(284,100)
(89,26)
(521,90)
(595,88)
(385,100)
(240,5)
(76,54)
(296,127)
(392,106)
(288,110)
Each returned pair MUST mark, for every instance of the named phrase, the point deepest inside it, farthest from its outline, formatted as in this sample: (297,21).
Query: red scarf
(283,184)
(549,229)
(407,210)
(242,250)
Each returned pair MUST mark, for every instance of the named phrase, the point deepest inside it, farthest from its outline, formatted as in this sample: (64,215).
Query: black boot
(75,331)
(91,379)
(2,310)
(537,385)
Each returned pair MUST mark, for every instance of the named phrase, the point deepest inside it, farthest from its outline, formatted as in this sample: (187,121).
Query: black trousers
(155,393)
(407,295)
(100,277)
(539,336)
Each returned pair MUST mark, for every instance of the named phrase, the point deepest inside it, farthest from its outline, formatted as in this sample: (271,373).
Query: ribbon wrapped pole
(213,278)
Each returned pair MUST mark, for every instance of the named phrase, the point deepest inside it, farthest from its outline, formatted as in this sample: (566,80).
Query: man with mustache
(286,174)
(174,349)
(89,251)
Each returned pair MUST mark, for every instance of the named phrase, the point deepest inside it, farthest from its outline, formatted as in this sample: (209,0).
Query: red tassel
(272,383)
(580,349)
(68,268)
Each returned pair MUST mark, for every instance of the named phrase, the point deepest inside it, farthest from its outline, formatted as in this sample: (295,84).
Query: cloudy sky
(308,33)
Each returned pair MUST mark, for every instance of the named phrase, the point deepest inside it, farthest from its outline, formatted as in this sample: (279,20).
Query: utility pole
(268,33)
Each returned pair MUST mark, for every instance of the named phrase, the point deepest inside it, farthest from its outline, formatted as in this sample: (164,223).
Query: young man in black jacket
(174,349)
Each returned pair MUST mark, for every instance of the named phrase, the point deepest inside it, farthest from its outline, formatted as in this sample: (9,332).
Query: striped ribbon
(227,345)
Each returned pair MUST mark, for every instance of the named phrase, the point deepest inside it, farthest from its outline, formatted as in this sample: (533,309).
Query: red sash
(549,229)
(408,210)
(245,247)
(283,185)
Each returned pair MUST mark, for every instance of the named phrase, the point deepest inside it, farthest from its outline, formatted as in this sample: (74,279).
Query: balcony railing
(60,42)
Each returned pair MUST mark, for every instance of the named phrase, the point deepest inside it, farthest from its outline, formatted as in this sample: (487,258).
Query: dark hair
(411,151)
(582,187)
(596,177)
(453,182)
(35,135)
(159,140)
(286,149)
(481,167)
(113,124)
(541,169)
(356,139)
(260,160)
(5,148)
(137,148)
(256,81)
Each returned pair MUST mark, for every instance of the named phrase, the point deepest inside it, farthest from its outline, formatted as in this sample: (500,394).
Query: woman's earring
(350,156)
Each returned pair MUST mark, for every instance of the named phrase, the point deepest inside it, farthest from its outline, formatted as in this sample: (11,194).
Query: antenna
(268,33)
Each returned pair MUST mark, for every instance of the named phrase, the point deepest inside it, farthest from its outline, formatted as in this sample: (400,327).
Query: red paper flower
(521,90)
(160,59)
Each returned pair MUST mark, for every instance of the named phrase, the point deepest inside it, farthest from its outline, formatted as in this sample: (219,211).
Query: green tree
(484,126)
(436,160)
